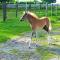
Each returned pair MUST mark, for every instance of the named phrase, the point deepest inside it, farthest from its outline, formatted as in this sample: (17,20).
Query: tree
(49,1)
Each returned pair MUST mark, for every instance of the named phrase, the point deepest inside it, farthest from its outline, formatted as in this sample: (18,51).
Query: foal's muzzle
(21,19)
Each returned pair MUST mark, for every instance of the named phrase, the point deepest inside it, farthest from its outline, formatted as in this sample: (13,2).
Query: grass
(44,53)
(3,38)
(13,27)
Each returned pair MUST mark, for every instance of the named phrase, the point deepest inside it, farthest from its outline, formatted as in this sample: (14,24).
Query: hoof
(37,45)
(29,47)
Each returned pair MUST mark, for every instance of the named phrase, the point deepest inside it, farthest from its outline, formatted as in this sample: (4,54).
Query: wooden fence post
(4,10)
(16,9)
(46,8)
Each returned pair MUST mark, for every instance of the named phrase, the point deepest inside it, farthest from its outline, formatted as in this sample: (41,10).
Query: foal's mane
(32,14)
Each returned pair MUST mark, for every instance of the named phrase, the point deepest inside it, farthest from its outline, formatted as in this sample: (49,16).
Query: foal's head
(28,14)
(23,16)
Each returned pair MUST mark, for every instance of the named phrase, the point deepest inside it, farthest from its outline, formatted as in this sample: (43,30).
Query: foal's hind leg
(49,39)
(34,34)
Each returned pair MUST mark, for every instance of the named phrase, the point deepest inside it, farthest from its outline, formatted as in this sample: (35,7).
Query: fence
(38,8)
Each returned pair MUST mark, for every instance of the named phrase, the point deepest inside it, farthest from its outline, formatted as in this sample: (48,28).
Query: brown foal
(37,22)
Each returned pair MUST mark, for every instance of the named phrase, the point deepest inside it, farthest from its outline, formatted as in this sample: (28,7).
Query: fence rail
(38,8)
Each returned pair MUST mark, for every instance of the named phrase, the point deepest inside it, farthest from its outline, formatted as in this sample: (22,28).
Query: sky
(57,1)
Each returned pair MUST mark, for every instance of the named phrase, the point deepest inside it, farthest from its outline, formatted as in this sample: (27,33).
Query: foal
(36,22)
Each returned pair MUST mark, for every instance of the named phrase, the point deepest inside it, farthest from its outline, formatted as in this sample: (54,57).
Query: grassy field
(13,27)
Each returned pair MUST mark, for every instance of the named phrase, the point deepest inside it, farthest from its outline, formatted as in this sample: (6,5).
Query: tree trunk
(16,9)
(26,7)
(4,10)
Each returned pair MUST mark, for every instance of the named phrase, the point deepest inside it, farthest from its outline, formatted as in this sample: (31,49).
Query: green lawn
(13,27)
(44,53)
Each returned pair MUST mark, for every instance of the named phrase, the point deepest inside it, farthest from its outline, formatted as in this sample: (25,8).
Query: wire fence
(38,8)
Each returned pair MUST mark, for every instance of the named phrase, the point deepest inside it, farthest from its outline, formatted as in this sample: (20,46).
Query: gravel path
(18,50)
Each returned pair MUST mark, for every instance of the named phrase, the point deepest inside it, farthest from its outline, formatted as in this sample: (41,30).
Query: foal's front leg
(33,35)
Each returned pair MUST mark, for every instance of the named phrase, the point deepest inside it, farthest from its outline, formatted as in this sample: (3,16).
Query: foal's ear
(25,11)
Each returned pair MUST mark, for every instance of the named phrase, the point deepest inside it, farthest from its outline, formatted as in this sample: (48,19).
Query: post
(40,7)
(46,8)
(56,9)
(16,9)
(51,9)
(4,10)
(35,6)
(26,7)
(29,5)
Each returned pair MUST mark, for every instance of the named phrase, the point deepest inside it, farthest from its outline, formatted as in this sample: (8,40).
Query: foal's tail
(48,24)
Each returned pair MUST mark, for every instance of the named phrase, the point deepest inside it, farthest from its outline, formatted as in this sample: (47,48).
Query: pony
(36,22)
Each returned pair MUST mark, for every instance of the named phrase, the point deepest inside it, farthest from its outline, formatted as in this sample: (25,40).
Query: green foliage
(3,0)
(7,0)
(49,1)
